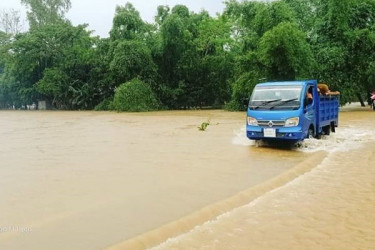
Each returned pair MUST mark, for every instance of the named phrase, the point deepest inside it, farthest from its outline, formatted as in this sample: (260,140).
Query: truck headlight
(252,121)
(292,122)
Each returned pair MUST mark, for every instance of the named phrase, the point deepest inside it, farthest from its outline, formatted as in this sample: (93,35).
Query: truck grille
(268,123)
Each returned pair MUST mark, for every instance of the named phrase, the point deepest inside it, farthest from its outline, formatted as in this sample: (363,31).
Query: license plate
(269,132)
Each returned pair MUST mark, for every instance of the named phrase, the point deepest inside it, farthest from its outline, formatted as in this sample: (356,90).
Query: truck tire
(327,130)
(310,133)
(333,127)
(318,136)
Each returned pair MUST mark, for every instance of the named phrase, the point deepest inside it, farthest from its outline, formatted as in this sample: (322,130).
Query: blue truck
(291,111)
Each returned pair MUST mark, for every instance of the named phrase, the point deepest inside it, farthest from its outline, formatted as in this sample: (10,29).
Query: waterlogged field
(90,180)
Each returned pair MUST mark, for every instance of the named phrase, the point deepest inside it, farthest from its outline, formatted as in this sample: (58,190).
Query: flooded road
(330,207)
(74,180)
(89,180)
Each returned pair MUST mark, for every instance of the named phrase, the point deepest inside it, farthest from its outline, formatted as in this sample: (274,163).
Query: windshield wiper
(283,102)
(266,102)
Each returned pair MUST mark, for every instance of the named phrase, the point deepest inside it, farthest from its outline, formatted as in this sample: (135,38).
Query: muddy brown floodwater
(90,180)
(330,207)
(84,180)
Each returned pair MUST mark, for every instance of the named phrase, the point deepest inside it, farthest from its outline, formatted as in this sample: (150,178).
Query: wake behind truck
(291,111)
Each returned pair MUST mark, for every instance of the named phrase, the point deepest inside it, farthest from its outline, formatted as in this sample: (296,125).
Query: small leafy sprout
(204,126)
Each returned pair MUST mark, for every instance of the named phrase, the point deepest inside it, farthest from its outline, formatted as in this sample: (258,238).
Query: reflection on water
(331,207)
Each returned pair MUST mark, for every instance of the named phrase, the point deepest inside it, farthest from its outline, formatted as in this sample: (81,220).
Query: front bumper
(282,133)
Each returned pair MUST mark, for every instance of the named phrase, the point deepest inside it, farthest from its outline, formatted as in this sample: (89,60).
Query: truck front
(275,111)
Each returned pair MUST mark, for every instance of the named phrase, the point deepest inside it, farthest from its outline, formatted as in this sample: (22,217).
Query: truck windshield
(276,98)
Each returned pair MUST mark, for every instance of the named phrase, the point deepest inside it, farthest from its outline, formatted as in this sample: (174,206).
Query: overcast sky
(99,13)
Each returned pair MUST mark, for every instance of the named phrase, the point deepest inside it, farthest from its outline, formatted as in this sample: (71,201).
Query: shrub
(135,96)
(105,105)
(242,90)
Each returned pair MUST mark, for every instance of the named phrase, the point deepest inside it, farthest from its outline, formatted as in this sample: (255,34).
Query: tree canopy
(185,59)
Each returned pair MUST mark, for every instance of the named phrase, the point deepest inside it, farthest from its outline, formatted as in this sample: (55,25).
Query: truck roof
(286,83)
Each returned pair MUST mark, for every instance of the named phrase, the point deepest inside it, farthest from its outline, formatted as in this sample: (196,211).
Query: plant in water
(204,126)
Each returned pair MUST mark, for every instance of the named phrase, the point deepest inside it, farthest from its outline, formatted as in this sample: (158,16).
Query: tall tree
(5,40)
(54,63)
(42,12)
(132,59)
(285,53)
(163,12)
(127,23)
(344,45)
(306,14)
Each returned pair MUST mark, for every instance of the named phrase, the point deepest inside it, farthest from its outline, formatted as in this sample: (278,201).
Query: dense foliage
(185,59)
(134,96)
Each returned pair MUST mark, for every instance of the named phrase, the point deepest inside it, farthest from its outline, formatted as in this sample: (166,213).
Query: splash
(241,139)
(345,139)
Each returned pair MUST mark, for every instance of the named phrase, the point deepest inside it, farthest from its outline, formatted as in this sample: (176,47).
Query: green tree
(344,46)
(271,15)
(188,59)
(181,11)
(175,38)
(213,65)
(4,40)
(306,15)
(163,13)
(58,58)
(257,55)
(285,53)
(253,17)
(46,12)
(126,54)
(132,59)
(128,24)
(361,48)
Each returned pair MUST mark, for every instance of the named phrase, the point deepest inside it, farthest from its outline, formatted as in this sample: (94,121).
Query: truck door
(308,109)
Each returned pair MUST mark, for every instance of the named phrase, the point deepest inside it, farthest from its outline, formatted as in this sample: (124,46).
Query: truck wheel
(327,130)
(333,128)
(310,133)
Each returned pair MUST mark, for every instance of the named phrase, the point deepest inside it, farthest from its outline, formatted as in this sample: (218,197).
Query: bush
(105,105)
(135,96)
(242,90)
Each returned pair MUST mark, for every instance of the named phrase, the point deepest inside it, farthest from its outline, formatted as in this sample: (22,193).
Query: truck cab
(289,111)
